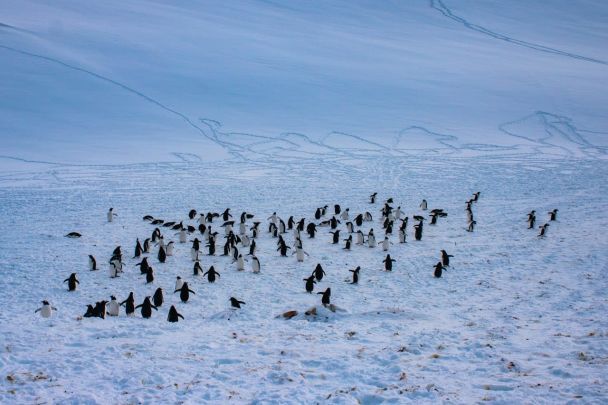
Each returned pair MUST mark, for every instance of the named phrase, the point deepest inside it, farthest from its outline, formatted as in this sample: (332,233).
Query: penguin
(311,228)
(146,245)
(255,264)
(402,236)
(226,215)
(162,256)
(355,275)
(183,235)
(198,269)
(318,214)
(372,198)
(349,227)
(169,224)
(211,246)
(471,227)
(240,263)
(336,237)
(158,297)
(470,216)
(192,214)
(318,272)
(359,220)
(184,292)
(388,263)
(553,215)
(235,303)
(242,229)
(300,254)
(90,312)
(385,244)
(310,283)
(138,249)
(72,281)
(173,314)
(150,275)
(252,248)
(73,235)
(46,310)
(211,273)
(360,237)
(194,250)
(100,309)
(157,222)
(282,226)
(283,249)
(113,306)
(111,215)
(273,218)
(143,265)
(438,270)
(169,249)
(445,258)
(129,304)
(371,239)
(368,217)
(543,230)
(290,223)
(148,218)
(333,222)
(92,263)
(398,213)
(179,226)
(476,196)
(325,299)
(344,214)
(423,205)
(531,219)
(348,242)
(337,209)
(178,283)
(146,308)
(201,219)
(418,231)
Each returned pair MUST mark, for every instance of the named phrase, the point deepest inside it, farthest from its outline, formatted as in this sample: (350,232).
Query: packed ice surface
(155,109)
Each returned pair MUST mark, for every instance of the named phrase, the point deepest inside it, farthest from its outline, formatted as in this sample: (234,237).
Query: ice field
(157,108)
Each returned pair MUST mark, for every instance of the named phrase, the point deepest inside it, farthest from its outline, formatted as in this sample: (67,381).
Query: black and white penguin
(325,299)
(240,263)
(402,236)
(299,252)
(348,242)
(162,255)
(146,245)
(360,237)
(333,222)
(192,214)
(336,237)
(318,272)
(146,308)
(73,235)
(198,269)
(344,214)
(92,263)
(311,229)
(531,219)
(150,275)
(148,218)
(372,198)
(100,309)
(235,303)
(138,249)
(169,249)
(438,270)
(471,226)
(113,306)
(129,304)
(252,247)
(349,227)
(211,273)
(310,283)
(111,215)
(184,292)
(90,312)
(371,239)
(72,282)
(173,315)
(418,230)
(355,275)
(283,249)
(386,243)
(158,297)
(255,264)
(46,310)
(157,222)
(445,258)
(543,230)
(359,220)
(178,283)
(143,266)
(553,215)
(388,263)
(423,205)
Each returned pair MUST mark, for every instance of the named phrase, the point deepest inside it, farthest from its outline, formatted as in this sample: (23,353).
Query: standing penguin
(173,315)
(113,306)
(372,198)
(438,270)
(235,303)
(240,263)
(553,215)
(348,243)
(129,304)
(388,263)
(46,310)
(150,275)
(146,308)
(360,237)
(211,273)
(311,229)
(92,263)
(385,244)
(300,254)
(143,266)
(111,215)
(402,236)
(100,309)
(423,205)
(146,245)
(531,219)
(72,281)
(255,264)
(355,275)
(310,283)
(198,269)
(169,249)
(158,297)
(543,230)
(138,249)
(445,258)
(336,236)
(178,283)
(371,239)
(162,256)
(418,231)
(184,292)
(318,272)
(325,299)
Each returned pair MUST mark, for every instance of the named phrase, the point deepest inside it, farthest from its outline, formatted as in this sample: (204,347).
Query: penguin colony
(240,242)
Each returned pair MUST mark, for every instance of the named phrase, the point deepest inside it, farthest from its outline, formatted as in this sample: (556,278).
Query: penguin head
(113,298)
(45,302)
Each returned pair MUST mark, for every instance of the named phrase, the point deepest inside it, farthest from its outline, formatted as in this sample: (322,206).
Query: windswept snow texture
(262,106)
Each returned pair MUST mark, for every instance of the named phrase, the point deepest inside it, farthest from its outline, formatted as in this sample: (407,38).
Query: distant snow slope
(128,82)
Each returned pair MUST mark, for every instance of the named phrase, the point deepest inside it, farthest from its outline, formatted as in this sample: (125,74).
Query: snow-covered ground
(156,108)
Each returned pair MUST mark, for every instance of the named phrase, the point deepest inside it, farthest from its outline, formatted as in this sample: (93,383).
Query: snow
(157,108)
